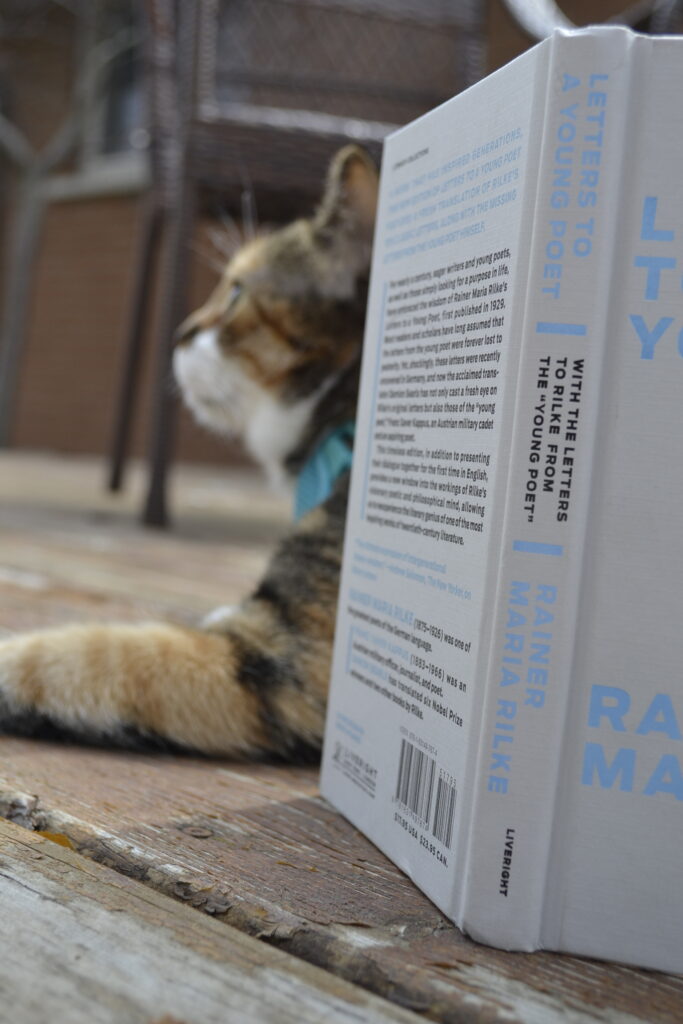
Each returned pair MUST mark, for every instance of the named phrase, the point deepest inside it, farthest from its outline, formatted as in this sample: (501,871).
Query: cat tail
(253,683)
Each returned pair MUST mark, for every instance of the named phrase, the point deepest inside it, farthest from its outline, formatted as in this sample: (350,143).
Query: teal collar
(330,459)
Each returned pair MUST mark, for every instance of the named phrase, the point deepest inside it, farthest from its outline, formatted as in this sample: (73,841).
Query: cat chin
(210,388)
(222,398)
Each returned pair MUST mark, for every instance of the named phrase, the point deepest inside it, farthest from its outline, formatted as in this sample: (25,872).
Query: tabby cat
(273,356)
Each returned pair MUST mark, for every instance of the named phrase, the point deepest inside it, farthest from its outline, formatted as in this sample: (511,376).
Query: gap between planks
(86,945)
(255,846)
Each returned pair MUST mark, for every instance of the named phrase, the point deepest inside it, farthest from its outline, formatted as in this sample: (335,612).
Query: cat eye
(233,295)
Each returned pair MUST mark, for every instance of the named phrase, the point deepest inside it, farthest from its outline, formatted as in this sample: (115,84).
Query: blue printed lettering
(514,642)
(614,712)
(519,592)
(509,678)
(648,231)
(622,767)
(660,717)
(654,265)
(540,653)
(649,338)
(507,709)
(666,778)
(542,616)
(515,619)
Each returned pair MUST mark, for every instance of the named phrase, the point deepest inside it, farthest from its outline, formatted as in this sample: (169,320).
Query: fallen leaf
(58,838)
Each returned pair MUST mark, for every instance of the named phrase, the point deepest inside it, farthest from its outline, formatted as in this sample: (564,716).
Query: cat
(272,356)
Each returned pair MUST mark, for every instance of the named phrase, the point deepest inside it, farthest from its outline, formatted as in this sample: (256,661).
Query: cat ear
(349,203)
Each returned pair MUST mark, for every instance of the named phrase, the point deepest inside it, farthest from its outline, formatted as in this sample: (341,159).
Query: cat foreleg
(154,684)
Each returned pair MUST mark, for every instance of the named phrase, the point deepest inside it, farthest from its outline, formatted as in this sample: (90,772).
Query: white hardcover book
(506,708)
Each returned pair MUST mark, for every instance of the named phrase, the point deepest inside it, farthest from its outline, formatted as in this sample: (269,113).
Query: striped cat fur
(272,356)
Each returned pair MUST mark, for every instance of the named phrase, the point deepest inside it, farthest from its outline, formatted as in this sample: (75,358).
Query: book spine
(534,599)
(612,888)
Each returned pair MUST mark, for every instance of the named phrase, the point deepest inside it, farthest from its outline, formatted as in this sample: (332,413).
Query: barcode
(415,781)
(444,813)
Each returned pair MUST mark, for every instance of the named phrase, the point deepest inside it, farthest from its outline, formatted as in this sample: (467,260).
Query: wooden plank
(71,551)
(204,498)
(86,945)
(257,848)
(254,847)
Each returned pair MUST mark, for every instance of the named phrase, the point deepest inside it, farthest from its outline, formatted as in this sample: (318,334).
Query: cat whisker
(249,216)
(248,204)
(231,228)
(223,244)
(207,258)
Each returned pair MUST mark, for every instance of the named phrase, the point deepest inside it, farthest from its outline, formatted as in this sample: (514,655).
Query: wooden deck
(100,901)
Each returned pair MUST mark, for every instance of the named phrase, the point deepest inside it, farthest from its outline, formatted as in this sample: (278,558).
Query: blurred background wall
(80,292)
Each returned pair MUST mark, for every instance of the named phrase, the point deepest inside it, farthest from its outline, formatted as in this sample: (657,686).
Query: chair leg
(152,217)
(15,301)
(173,310)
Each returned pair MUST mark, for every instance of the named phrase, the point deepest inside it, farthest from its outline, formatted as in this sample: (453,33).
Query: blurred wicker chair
(259,95)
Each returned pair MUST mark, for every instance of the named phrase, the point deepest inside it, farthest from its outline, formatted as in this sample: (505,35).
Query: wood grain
(257,848)
(254,847)
(85,945)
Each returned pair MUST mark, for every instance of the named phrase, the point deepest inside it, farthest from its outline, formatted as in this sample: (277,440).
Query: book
(506,708)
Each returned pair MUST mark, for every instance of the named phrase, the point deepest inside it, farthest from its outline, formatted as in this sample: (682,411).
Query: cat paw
(17,684)
(219,617)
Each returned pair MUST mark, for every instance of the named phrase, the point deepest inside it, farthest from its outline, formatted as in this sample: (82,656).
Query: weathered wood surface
(69,550)
(255,846)
(85,945)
